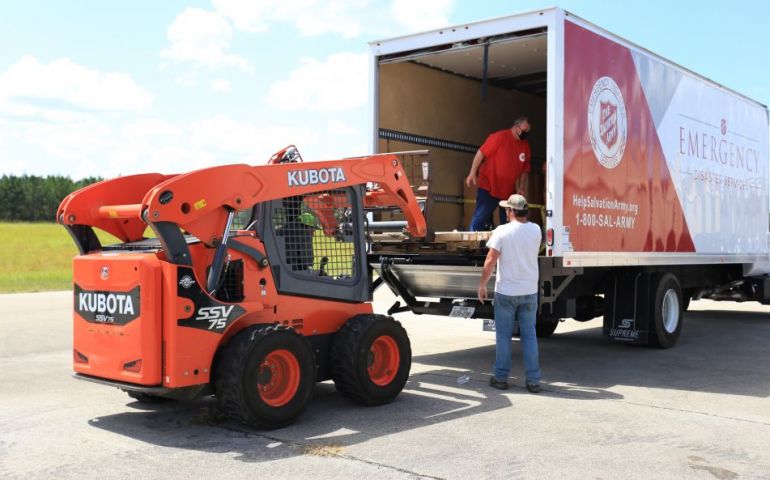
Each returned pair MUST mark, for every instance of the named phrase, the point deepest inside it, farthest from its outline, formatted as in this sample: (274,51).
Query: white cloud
(187,79)
(203,38)
(251,143)
(71,141)
(310,17)
(337,83)
(422,15)
(336,127)
(96,147)
(148,128)
(247,15)
(65,85)
(348,18)
(221,85)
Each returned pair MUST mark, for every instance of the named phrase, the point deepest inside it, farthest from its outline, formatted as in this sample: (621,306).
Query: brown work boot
(498,384)
(533,387)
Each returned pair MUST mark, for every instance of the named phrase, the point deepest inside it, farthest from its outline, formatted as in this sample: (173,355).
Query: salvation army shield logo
(607,122)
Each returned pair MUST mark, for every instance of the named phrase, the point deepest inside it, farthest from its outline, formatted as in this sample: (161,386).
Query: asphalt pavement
(699,410)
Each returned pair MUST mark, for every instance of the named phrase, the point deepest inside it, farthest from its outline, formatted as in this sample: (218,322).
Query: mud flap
(763,290)
(627,308)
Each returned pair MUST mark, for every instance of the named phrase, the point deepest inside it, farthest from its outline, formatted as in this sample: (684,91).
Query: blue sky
(118,87)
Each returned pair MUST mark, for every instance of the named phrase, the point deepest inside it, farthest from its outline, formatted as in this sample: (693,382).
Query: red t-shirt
(505,158)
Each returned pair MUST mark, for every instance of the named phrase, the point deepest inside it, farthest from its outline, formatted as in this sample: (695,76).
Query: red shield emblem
(608,123)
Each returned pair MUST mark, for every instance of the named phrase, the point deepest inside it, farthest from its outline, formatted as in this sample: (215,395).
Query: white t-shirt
(518,244)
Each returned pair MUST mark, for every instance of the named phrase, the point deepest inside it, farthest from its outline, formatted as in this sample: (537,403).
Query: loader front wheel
(265,377)
(370,359)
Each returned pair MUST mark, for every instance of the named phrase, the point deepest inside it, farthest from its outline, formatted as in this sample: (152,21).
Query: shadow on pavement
(720,352)
(330,424)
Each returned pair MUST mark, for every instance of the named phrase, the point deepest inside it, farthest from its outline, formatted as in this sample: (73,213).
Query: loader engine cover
(117,318)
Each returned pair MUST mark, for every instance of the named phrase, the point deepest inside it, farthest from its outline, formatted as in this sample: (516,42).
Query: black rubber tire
(545,326)
(142,397)
(660,337)
(238,374)
(350,356)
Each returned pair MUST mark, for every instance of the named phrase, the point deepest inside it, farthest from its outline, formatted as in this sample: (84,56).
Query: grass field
(36,257)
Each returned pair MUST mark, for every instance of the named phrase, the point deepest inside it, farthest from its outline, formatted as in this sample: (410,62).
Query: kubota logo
(97,306)
(316,176)
(607,122)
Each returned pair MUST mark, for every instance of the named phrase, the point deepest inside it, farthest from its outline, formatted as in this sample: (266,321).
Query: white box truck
(649,180)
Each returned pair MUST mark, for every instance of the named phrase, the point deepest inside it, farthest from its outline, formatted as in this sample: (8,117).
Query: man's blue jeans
(522,309)
(485,207)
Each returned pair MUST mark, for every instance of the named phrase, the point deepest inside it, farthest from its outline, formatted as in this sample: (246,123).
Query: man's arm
(473,175)
(521,183)
(489,267)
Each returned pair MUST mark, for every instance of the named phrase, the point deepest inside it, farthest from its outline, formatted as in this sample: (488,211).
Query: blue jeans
(521,309)
(485,207)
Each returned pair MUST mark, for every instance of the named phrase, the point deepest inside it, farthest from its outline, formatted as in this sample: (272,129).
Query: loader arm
(110,205)
(201,201)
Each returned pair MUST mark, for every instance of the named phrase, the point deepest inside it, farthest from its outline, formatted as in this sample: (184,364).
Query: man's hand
(482,292)
(486,272)
(521,184)
(473,175)
(471,180)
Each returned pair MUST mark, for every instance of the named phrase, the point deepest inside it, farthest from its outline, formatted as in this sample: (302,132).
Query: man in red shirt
(500,169)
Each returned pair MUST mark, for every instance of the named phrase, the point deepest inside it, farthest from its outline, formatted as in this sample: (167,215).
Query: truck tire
(370,359)
(265,376)
(545,326)
(667,312)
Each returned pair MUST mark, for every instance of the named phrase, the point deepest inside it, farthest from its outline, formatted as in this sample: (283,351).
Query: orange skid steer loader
(254,314)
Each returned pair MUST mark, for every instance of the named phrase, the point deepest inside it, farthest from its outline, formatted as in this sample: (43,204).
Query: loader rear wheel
(265,376)
(667,312)
(370,359)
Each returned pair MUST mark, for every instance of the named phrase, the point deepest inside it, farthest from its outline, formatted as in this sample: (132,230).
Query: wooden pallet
(443,242)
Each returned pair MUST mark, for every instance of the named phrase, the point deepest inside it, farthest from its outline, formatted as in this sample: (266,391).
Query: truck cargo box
(635,160)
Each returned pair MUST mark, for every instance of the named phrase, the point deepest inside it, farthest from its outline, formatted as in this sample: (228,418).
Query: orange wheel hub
(383,361)
(279,376)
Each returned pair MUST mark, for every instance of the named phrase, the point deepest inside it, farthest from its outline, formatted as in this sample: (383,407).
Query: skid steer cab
(246,282)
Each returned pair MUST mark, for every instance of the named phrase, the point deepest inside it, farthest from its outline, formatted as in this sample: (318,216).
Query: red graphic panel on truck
(618,192)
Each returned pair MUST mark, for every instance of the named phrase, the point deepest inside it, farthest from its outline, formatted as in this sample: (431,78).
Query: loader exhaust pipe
(215,274)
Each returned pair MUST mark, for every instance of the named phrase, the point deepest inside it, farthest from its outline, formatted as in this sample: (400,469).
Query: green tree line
(32,198)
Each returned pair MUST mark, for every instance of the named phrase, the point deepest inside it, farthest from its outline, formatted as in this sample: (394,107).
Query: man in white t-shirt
(513,248)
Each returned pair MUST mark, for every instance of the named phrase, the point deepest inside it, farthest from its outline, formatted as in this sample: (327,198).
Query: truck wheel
(370,359)
(667,311)
(265,376)
(545,326)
